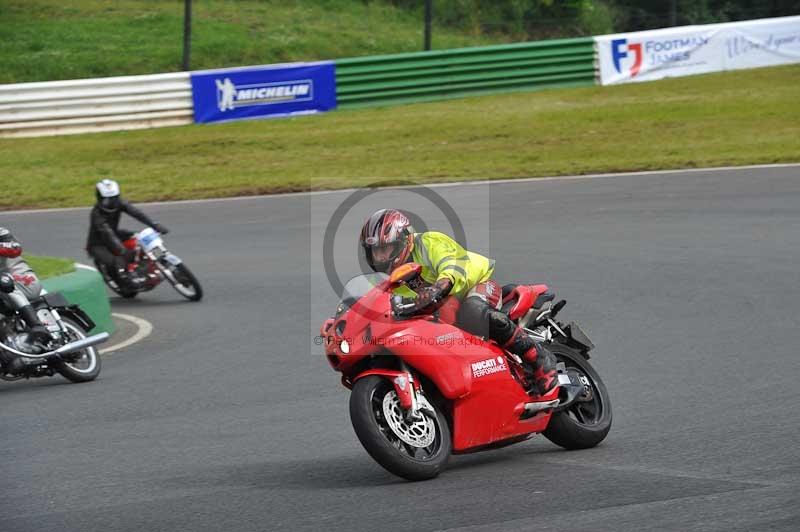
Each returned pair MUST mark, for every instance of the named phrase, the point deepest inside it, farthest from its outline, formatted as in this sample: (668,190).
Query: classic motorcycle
(71,352)
(423,389)
(153,263)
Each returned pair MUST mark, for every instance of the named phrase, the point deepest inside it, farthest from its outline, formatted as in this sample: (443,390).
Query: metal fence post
(428,23)
(187,33)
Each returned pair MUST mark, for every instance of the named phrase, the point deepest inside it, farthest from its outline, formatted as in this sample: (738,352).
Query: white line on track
(432,185)
(144,330)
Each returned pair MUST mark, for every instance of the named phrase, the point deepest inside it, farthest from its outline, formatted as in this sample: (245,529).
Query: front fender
(76,314)
(401,380)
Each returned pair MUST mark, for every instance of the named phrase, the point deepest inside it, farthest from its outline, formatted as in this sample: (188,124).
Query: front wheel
(586,422)
(185,283)
(412,449)
(84,365)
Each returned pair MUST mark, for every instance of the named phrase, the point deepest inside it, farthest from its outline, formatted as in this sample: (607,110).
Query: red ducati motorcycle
(423,389)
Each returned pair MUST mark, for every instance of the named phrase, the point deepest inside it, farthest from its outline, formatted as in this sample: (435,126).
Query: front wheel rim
(86,357)
(386,412)
(184,287)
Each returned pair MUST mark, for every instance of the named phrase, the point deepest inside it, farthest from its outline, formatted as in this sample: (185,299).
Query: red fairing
(449,310)
(525,296)
(473,376)
(10,250)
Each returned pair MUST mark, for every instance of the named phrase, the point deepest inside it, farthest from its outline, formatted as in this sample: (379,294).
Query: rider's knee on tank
(477,317)
(472,316)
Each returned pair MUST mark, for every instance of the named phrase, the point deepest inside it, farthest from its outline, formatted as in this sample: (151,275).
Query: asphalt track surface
(227,417)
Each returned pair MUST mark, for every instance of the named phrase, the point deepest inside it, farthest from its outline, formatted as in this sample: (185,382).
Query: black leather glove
(160,228)
(431,295)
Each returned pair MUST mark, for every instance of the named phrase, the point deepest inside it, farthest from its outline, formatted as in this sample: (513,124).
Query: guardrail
(426,76)
(89,105)
(135,102)
(138,102)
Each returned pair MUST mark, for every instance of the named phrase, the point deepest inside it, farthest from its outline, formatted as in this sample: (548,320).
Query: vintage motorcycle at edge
(154,263)
(71,351)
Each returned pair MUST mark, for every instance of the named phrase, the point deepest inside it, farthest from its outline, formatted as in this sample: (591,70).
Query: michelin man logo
(226,93)
(230,97)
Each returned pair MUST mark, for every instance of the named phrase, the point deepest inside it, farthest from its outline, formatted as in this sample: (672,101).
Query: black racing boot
(129,280)
(36,330)
(540,361)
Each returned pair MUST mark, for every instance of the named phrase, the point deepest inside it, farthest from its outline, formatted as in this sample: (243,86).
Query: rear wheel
(113,284)
(412,449)
(586,422)
(84,365)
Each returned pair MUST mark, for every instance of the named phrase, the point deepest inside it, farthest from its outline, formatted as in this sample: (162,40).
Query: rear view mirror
(405,273)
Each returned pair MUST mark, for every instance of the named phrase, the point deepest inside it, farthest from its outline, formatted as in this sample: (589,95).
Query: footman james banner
(688,50)
(262,91)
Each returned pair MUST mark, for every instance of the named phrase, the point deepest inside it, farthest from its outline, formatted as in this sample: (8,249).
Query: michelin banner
(263,91)
(688,50)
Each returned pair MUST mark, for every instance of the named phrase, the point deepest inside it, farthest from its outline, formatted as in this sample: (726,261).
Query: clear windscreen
(357,287)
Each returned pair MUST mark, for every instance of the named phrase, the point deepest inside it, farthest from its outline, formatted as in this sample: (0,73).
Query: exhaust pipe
(80,345)
(63,350)
(533,408)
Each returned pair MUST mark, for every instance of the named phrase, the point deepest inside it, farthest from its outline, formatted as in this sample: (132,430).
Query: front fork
(417,402)
(165,264)
(408,389)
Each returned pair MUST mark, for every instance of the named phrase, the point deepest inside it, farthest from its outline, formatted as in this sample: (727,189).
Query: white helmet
(107,193)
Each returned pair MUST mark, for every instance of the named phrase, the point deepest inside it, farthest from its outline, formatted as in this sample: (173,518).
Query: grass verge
(50,266)
(735,118)
(53,39)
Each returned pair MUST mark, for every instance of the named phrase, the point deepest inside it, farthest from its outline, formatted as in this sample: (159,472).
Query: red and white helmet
(388,239)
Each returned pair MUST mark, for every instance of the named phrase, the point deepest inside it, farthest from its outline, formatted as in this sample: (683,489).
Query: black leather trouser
(477,317)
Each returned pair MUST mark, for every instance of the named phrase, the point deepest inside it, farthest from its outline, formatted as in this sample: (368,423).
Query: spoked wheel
(415,449)
(127,293)
(185,283)
(84,365)
(586,422)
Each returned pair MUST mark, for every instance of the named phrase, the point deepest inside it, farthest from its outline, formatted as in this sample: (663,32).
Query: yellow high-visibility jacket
(442,257)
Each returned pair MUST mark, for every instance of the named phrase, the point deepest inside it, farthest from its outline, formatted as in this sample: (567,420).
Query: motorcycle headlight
(344,347)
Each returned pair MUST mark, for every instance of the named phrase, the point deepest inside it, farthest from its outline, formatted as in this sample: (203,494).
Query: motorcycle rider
(389,240)
(105,236)
(26,288)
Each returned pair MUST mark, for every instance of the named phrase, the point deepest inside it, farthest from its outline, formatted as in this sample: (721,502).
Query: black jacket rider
(105,238)
(104,231)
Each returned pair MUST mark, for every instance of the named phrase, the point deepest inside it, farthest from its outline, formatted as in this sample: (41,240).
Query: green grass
(735,118)
(50,266)
(57,39)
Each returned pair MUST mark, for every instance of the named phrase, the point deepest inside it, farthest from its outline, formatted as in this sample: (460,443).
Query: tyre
(415,451)
(84,365)
(114,285)
(586,422)
(186,284)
